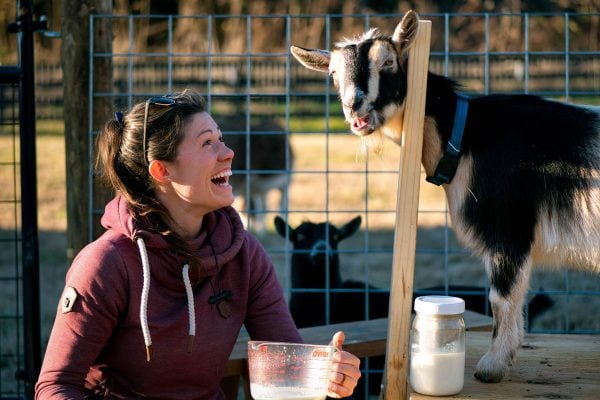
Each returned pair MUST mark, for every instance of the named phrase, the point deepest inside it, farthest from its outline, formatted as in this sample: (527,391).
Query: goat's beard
(371,143)
(388,122)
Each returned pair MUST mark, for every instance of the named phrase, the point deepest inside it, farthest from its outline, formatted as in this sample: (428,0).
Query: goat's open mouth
(360,123)
(363,125)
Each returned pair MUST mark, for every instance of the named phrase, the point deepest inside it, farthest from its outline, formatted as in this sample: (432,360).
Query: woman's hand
(345,371)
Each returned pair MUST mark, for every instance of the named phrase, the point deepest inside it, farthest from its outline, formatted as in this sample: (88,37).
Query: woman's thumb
(338,339)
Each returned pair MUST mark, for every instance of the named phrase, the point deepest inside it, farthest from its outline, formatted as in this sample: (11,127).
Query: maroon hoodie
(97,345)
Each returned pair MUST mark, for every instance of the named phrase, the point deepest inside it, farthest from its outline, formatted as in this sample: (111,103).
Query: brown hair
(122,164)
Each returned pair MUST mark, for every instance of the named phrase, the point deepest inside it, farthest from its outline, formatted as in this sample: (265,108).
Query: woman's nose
(227,152)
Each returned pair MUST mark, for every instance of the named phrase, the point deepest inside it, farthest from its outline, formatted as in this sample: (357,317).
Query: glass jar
(437,346)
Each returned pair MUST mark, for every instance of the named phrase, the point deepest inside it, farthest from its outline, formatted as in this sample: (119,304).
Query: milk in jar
(437,346)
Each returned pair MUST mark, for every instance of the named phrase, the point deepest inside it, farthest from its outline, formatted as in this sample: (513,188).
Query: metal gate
(20,341)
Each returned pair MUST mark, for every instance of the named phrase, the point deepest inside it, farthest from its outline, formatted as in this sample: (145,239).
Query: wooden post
(395,381)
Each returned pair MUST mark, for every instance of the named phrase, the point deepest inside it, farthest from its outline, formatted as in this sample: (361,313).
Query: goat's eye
(388,63)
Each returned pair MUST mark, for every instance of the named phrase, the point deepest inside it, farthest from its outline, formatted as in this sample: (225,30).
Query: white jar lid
(440,305)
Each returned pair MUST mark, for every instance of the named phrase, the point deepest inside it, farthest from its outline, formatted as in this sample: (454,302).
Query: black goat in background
(315,251)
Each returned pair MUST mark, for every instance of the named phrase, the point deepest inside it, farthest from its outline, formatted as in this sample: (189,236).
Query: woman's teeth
(221,178)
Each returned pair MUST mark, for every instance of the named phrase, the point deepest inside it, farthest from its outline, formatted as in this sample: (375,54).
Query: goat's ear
(406,32)
(282,228)
(350,228)
(315,59)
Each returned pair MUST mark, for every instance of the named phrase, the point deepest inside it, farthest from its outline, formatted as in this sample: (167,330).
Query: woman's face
(200,173)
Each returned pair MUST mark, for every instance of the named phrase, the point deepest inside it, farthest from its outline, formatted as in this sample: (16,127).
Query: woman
(154,306)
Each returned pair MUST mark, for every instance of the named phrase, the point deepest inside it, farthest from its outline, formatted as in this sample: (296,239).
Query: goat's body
(528,178)
(527,187)
(526,192)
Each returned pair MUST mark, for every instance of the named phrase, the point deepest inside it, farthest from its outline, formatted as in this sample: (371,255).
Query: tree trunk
(76,76)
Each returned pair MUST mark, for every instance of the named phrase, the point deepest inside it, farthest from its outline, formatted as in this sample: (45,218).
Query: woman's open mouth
(222,178)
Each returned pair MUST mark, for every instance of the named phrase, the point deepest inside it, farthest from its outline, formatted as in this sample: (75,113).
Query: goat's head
(369,73)
(317,243)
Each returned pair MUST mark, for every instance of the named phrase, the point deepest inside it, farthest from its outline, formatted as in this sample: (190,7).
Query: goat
(523,184)
(269,148)
(315,253)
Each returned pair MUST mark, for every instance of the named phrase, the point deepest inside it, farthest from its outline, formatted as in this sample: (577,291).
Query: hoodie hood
(221,237)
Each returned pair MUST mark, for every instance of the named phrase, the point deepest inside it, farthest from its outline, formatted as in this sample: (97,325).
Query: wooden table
(547,366)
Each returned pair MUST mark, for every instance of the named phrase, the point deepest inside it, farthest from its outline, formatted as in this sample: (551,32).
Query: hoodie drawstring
(144,302)
(190,300)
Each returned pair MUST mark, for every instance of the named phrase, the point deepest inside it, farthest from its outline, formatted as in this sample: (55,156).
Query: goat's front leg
(510,282)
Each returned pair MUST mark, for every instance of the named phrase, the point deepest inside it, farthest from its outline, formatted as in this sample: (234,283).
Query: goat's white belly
(560,240)
(572,241)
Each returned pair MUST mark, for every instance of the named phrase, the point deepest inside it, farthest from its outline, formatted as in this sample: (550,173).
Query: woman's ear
(159,172)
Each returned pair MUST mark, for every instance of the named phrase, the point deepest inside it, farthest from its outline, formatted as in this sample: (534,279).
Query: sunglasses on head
(164,101)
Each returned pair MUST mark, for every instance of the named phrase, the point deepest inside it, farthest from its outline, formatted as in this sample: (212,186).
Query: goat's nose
(354,105)
(319,249)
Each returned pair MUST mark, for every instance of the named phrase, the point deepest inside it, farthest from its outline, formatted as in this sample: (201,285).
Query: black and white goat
(522,179)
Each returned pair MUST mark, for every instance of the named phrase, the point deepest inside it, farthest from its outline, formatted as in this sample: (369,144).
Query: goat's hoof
(488,376)
(490,370)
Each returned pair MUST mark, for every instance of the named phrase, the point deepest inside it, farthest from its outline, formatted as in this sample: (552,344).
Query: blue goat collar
(448,164)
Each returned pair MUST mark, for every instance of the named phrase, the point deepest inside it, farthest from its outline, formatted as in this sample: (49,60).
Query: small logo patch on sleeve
(68,299)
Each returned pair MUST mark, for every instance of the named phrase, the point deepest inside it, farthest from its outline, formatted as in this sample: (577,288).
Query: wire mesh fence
(320,176)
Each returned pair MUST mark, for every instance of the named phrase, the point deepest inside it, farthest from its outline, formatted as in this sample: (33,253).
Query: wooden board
(405,232)
(547,367)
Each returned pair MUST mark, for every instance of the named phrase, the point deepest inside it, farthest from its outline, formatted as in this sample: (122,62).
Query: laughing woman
(153,308)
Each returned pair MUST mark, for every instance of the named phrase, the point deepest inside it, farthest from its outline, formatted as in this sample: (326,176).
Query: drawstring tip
(149,353)
(190,343)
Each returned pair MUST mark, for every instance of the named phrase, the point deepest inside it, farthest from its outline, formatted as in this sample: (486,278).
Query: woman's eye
(211,141)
